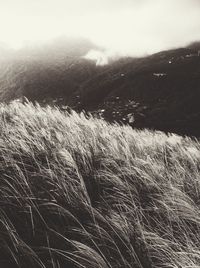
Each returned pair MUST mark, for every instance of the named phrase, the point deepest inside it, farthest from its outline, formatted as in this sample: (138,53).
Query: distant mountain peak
(194,45)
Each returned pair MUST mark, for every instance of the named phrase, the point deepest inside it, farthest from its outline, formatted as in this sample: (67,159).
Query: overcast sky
(133,27)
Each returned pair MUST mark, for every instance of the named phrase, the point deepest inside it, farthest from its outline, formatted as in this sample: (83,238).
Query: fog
(128,27)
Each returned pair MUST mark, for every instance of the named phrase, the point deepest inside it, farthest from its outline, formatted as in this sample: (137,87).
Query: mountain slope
(47,72)
(160,91)
(165,87)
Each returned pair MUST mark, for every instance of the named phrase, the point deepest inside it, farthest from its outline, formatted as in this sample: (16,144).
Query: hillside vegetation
(160,91)
(79,192)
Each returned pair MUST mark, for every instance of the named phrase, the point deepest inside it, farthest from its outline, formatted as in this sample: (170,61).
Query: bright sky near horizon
(132,27)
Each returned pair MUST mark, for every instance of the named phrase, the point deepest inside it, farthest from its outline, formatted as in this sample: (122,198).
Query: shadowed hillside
(160,91)
(79,192)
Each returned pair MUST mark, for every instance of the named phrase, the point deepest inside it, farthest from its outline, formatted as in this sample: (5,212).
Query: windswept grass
(78,192)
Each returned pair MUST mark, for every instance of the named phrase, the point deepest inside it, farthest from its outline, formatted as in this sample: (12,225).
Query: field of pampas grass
(76,191)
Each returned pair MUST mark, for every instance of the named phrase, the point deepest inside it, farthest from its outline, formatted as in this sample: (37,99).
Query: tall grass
(79,192)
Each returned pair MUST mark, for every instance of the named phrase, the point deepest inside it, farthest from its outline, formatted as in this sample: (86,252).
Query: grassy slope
(77,192)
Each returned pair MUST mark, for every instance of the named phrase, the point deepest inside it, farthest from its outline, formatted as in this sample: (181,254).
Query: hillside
(159,91)
(80,192)
(44,73)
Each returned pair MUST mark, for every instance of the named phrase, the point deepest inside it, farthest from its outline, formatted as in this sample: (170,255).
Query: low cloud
(125,28)
(148,28)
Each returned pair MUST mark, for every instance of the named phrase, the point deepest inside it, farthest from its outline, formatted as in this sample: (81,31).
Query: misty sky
(133,27)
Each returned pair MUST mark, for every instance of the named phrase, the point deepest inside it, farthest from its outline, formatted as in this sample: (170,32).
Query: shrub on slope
(79,192)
